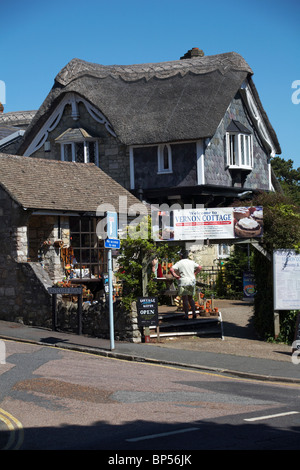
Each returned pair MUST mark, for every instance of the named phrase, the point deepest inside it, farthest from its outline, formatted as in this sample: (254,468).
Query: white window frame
(223,250)
(235,142)
(85,150)
(161,169)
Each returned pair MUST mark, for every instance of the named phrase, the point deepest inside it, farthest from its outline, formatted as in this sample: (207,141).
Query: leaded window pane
(80,152)
(92,152)
(68,152)
(242,150)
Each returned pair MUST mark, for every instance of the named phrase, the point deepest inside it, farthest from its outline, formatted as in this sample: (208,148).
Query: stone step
(170,334)
(175,325)
(181,322)
(166,316)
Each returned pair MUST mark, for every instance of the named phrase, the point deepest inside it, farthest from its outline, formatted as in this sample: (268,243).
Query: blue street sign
(112,224)
(112,243)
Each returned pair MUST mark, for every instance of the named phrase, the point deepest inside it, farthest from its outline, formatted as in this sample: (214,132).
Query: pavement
(240,353)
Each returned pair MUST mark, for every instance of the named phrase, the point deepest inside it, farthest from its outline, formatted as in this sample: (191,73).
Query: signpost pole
(112,241)
(110,299)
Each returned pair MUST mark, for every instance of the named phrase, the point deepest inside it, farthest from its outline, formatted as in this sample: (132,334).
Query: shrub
(281,231)
(229,282)
(135,258)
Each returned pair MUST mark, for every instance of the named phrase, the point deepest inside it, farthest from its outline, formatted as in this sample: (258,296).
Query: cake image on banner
(248,222)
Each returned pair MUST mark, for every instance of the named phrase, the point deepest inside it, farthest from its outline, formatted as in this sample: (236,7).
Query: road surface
(55,399)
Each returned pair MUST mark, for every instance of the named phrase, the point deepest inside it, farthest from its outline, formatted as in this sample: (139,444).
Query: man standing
(185,271)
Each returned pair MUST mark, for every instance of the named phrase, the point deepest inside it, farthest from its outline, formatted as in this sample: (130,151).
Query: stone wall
(24,298)
(23,294)
(27,300)
(24,285)
(43,232)
(23,288)
(95,320)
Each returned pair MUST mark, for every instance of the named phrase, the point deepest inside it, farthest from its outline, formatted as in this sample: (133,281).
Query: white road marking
(272,416)
(163,434)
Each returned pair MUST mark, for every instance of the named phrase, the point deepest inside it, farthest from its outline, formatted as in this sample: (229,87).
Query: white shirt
(186,269)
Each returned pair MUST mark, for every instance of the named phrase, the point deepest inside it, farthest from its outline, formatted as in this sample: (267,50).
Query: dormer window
(164,156)
(77,145)
(239,147)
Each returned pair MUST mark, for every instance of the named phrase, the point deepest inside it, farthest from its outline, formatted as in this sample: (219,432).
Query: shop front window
(89,256)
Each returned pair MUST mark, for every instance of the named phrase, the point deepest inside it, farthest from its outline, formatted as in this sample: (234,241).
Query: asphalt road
(53,399)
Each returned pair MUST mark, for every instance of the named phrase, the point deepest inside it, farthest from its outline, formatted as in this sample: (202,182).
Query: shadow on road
(139,435)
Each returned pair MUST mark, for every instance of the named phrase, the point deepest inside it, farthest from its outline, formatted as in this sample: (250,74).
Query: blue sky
(38,38)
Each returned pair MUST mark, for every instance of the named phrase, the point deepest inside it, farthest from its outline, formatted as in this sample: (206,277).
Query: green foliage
(281,221)
(229,282)
(288,177)
(287,326)
(136,253)
(281,231)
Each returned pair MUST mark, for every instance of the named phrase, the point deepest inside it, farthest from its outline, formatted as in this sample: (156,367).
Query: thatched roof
(52,185)
(157,102)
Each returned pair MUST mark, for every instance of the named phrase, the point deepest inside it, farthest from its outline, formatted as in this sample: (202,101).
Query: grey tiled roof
(73,135)
(60,186)
(17,118)
(6,131)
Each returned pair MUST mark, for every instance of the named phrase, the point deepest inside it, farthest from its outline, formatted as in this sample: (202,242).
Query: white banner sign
(202,224)
(213,223)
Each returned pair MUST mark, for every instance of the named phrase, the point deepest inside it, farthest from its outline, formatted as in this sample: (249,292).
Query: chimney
(1,108)
(192,53)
